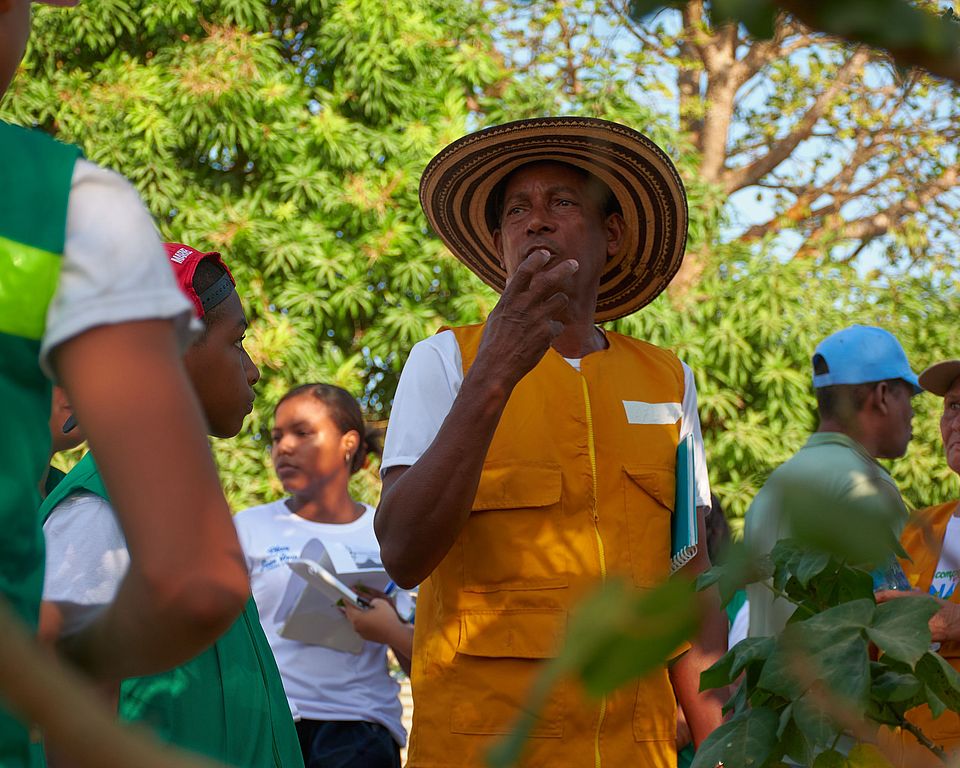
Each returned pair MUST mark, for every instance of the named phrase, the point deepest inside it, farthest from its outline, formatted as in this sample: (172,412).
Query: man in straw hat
(932,542)
(530,456)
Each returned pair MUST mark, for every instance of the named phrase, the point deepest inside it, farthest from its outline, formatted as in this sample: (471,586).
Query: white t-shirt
(114,268)
(87,557)
(320,683)
(431,380)
(947,575)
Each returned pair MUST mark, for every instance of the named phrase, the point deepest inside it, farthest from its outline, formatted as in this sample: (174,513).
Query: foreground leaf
(900,627)
(615,635)
(747,740)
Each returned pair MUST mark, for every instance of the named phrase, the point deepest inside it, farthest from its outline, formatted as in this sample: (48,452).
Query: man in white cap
(864,387)
(932,542)
(531,456)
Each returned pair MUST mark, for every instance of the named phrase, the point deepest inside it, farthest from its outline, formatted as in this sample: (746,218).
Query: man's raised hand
(528,317)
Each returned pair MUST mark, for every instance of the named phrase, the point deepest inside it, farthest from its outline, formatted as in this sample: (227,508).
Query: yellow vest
(571,491)
(922,538)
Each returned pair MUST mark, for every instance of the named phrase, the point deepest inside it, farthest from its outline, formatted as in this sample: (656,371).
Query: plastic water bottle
(890,576)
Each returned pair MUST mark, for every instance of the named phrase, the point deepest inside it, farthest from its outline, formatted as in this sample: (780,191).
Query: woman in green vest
(228,702)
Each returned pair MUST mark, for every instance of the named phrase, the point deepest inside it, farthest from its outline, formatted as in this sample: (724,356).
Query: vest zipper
(591,449)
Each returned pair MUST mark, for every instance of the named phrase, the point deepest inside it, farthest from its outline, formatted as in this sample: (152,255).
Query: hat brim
(457,185)
(938,378)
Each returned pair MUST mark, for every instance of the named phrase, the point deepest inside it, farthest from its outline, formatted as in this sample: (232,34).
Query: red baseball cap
(184,261)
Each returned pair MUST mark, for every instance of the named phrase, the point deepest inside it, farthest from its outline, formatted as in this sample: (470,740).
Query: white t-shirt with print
(947,575)
(114,268)
(320,683)
(431,380)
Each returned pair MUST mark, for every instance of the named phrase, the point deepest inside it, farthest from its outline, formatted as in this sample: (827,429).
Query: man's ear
(498,244)
(881,395)
(615,227)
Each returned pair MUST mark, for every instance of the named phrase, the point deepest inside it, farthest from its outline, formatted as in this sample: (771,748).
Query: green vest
(228,702)
(37,173)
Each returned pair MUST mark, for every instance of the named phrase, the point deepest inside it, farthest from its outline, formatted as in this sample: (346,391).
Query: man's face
(899,420)
(551,206)
(950,426)
(222,372)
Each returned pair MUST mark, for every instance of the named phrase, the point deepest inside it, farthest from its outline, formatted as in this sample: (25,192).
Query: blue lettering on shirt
(281,554)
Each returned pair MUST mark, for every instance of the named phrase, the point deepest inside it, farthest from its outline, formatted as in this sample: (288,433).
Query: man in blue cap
(864,385)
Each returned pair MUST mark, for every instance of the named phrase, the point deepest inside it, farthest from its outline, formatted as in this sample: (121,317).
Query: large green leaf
(615,635)
(751,650)
(900,627)
(748,739)
(619,634)
(817,726)
(940,678)
(895,686)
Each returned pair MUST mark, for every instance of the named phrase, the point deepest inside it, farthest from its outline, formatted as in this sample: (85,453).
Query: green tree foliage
(291,136)
(843,664)
(748,330)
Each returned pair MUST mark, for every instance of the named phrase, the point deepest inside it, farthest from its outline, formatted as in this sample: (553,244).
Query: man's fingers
(556,304)
(558,279)
(520,280)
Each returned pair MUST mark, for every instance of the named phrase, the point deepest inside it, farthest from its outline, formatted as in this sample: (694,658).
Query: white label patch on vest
(639,412)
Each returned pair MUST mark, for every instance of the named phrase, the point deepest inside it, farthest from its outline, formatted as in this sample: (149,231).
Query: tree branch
(738,178)
(689,75)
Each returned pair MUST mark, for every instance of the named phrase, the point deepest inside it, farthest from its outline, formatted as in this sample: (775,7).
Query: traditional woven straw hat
(457,186)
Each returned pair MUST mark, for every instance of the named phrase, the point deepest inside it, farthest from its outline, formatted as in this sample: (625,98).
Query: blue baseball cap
(861,354)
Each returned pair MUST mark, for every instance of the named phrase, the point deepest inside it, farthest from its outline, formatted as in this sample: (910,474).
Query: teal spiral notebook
(683,523)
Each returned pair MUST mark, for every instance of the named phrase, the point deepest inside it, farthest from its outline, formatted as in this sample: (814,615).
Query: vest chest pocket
(648,500)
(514,538)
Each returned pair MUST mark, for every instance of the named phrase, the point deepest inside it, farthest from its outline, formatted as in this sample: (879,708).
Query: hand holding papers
(320,578)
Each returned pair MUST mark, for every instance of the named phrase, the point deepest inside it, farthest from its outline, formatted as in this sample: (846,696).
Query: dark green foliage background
(290,135)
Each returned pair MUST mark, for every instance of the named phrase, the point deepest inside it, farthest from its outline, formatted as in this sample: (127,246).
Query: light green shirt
(839,468)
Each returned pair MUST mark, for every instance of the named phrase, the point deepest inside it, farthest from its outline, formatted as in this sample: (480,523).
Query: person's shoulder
(927,516)
(793,470)
(108,207)
(631,342)
(81,508)
(261,512)
(442,348)
(92,179)
(17,138)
